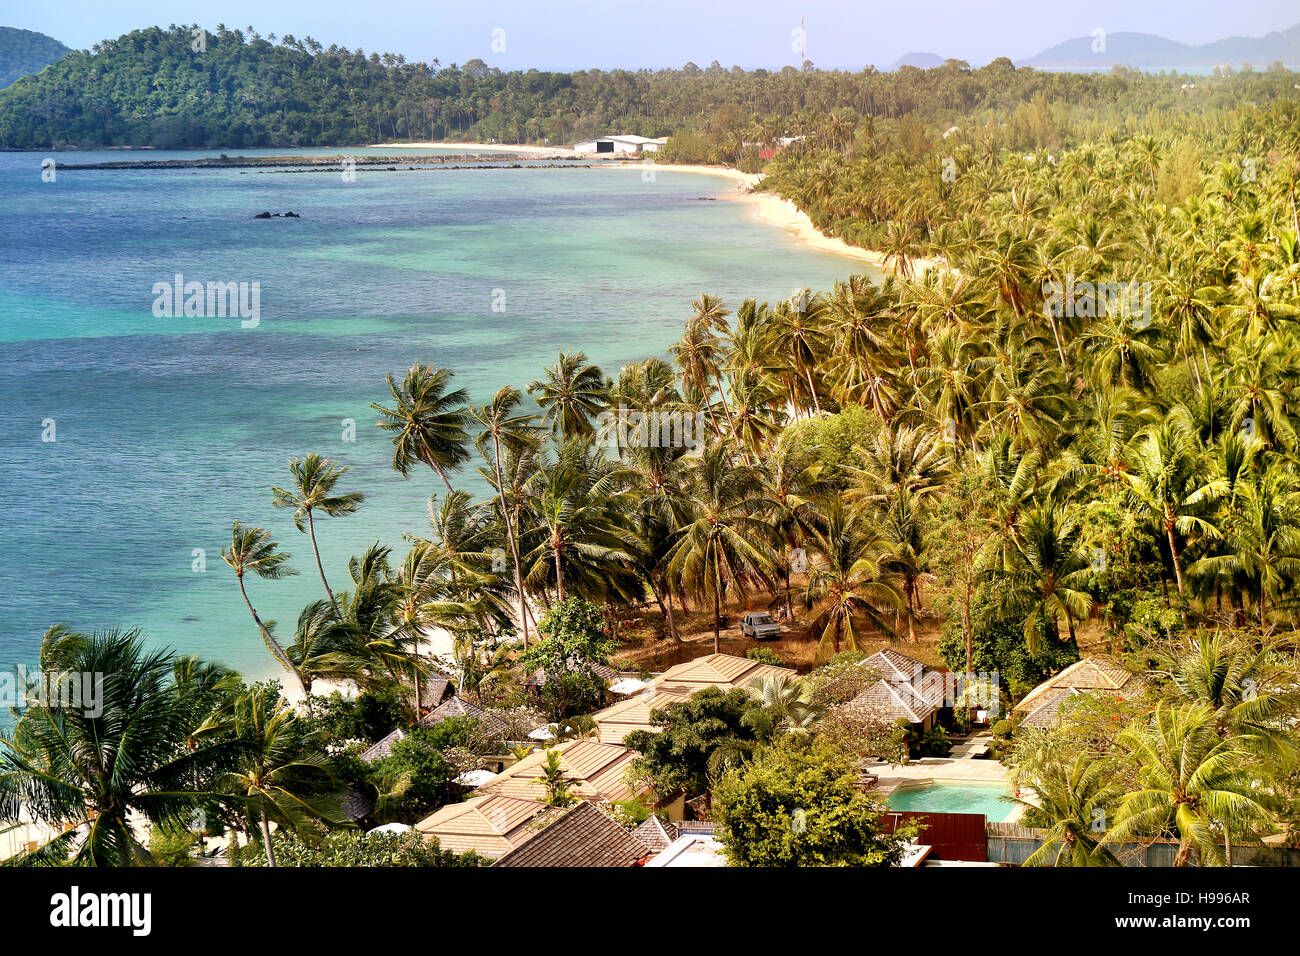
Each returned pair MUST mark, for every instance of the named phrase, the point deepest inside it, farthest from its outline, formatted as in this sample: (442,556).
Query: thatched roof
(582,836)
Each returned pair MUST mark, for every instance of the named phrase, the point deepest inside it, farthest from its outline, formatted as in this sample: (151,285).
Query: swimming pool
(939,796)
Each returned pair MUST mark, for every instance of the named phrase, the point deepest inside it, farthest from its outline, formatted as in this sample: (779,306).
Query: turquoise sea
(166,429)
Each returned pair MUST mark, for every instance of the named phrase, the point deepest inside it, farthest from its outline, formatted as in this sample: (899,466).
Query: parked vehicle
(760,626)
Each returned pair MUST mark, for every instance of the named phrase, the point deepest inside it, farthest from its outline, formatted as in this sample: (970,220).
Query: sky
(577,34)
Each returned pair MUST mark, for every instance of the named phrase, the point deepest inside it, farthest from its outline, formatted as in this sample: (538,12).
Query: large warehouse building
(620,144)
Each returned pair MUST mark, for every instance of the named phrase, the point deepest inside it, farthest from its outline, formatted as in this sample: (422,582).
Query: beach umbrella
(475,778)
(390,828)
(626,685)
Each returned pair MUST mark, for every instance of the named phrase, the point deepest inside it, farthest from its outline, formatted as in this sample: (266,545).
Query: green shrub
(765,655)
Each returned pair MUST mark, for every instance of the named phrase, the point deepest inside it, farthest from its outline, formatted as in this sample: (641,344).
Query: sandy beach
(771,209)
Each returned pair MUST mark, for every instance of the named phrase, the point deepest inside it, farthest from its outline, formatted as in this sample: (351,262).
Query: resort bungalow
(717,670)
(491,826)
(620,144)
(907,689)
(593,771)
(1041,707)
(618,720)
(582,835)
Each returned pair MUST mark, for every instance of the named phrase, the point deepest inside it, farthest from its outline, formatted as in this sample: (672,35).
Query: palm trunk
(514,543)
(717,608)
(266,841)
(311,533)
(672,623)
(1173,553)
(559,577)
(272,645)
(813,391)
(428,460)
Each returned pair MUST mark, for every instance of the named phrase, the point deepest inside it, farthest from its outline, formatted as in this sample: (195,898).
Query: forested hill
(25,51)
(179,87)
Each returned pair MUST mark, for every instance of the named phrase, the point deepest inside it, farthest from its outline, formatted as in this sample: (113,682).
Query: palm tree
(721,544)
(314,478)
(849,581)
(1074,800)
(1190,781)
(501,426)
(427,421)
(1169,484)
(571,394)
(252,549)
(85,771)
(283,775)
(1045,576)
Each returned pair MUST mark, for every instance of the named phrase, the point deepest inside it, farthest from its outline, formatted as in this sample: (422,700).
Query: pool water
(989,799)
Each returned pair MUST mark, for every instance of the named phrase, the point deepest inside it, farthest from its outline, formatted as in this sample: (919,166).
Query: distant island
(24,51)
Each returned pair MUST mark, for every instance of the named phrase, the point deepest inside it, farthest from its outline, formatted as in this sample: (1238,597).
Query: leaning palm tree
(849,581)
(1074,800)
(84,771)
(501,425)
(1190,781)
(283,775)
(251,549)
(314,478)
(427,422)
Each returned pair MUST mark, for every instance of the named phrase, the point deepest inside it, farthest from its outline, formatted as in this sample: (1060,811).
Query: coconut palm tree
(88,772)
(253,550)
(283,776)
(314,478)
(1074,802)
(427,421)
(721,546)
(1045,577)
(571,393)
(1191,781)
(849,581)
(502,426)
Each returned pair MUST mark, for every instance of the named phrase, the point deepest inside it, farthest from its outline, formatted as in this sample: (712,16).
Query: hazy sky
(573,34)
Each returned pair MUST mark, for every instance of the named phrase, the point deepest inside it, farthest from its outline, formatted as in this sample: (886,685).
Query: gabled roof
(581,836)
(594,771)
(383,747)
(717,670)
(894,666)
(899,699)
(355,805)
(618,720)
(1041,707)
(457,707)
(490,825)
(435,690)
(656,834)
(606,673)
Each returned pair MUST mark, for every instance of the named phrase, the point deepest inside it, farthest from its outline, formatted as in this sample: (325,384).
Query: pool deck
(945,769)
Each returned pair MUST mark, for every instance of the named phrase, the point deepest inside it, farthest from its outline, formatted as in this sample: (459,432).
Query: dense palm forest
(1062,424)
(186,86)
(23,52)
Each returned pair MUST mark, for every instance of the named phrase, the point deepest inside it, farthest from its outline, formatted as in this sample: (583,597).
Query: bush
(765,655)
(798,804)
(353,848)
(370,716)
(831,439)
(1002,729)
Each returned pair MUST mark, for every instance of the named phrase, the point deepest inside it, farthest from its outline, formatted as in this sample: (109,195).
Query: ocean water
(167,429)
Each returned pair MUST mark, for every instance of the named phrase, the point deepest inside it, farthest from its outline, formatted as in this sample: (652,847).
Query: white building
(620,144)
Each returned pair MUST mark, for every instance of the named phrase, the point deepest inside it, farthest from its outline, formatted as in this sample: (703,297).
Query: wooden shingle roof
(457,707)
(490,825)
(717,670)
(656,834)
(594,771)
(383,747)
(606,673)
(582,836)
(1041,707)
(894,700)
(894,666)
(618,720)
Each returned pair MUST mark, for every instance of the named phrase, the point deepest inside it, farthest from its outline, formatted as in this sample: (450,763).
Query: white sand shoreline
(480,148)
(771,209)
